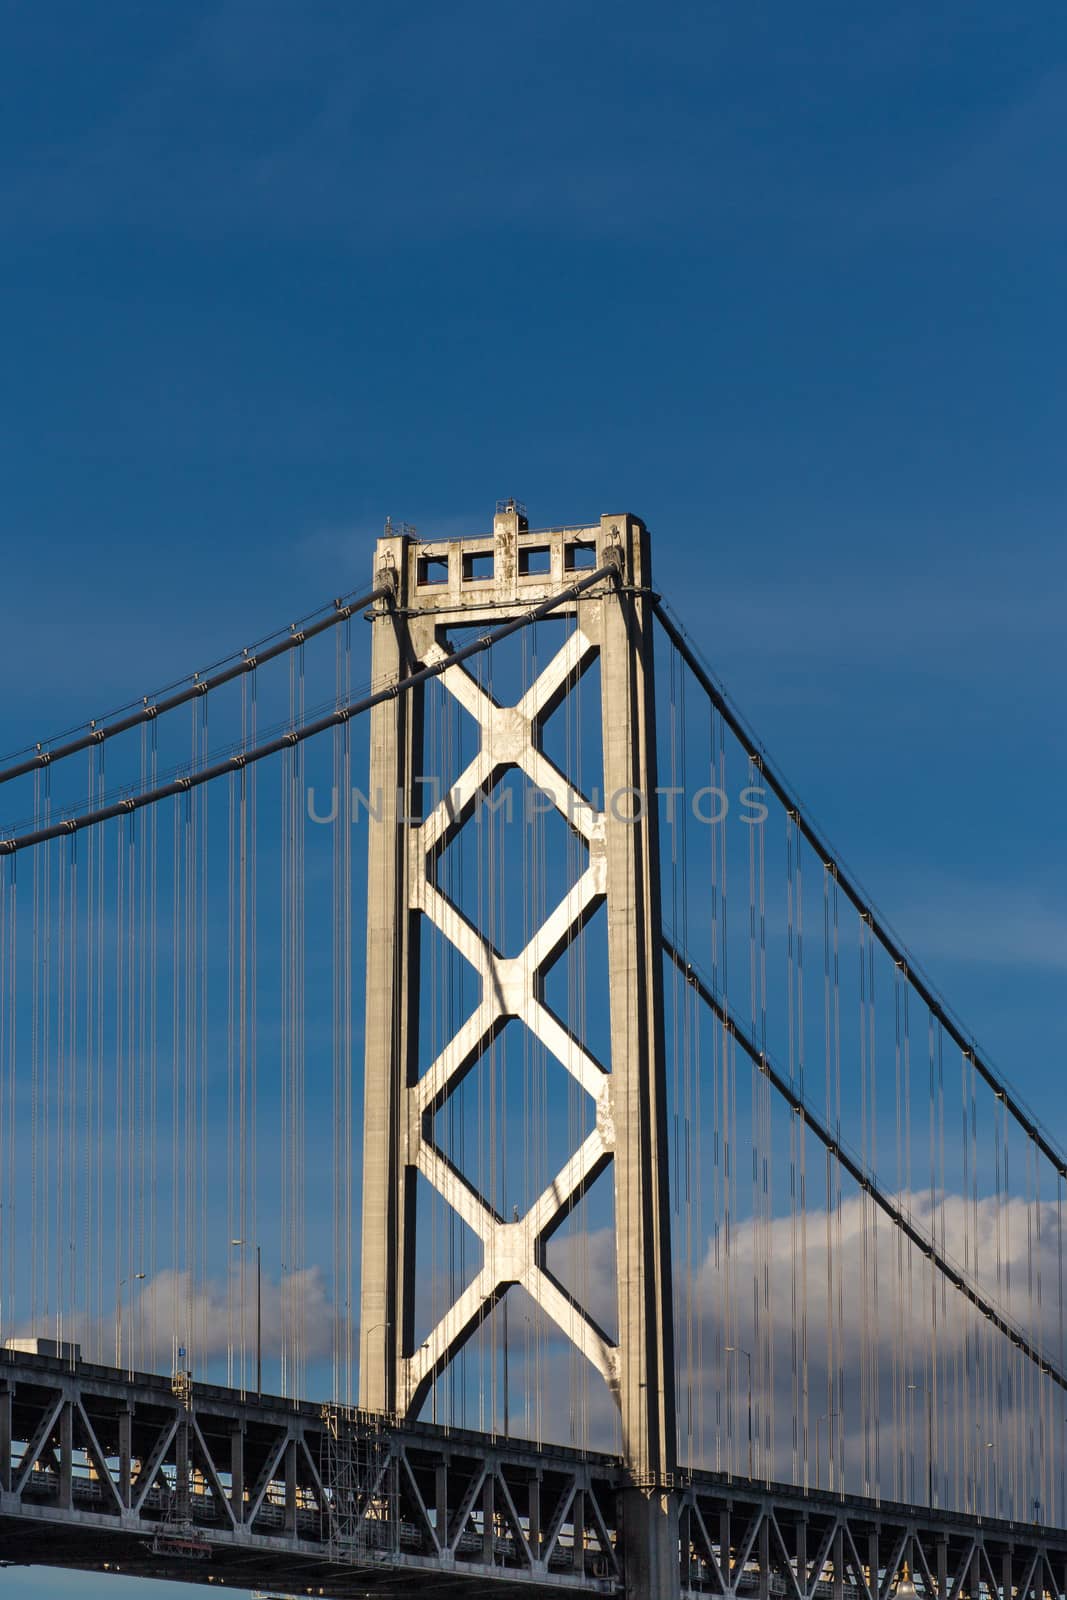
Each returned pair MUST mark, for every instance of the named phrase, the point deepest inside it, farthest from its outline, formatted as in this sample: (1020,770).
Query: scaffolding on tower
(359,1506)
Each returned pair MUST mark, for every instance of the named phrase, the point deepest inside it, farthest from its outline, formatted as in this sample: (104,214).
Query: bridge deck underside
(102,1470)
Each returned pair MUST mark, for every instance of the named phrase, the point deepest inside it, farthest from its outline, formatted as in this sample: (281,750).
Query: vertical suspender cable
(717,1037)
(37,969)
(828,1030)
(1061,1431)
(338,807)
(152,1263)
(934,1370)
(7,1104)
(765,1341)
(91,1330)
(60,1177)
(47,1227)
(251,1228)
(232,1222)
(346,1029)
(900,1398)
(837,1434)
(75,1097)
(298,984)
(802,1142)
(868,1474)
(8,977)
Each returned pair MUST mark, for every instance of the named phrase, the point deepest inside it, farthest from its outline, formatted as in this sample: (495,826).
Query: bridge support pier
(649,1524)
(5,1438)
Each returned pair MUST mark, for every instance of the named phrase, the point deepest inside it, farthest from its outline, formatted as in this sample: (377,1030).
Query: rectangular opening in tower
(534,560)
(478,566)
(579,554)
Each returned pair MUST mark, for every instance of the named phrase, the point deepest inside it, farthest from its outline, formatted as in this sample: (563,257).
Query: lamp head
(905,1589)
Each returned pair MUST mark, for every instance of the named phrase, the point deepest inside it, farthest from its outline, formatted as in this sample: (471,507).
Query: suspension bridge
(462,1126)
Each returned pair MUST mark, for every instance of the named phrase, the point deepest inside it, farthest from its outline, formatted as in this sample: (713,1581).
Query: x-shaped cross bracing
(511,988)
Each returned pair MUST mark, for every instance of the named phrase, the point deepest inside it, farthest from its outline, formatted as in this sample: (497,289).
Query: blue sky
(787,281)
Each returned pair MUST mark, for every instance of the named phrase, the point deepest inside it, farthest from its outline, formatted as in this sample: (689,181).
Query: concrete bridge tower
(503,578)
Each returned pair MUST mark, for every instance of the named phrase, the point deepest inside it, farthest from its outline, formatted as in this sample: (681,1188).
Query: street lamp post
(918,1388)
(737,1350)
(827,1417)
(247,1244)
(136,1277)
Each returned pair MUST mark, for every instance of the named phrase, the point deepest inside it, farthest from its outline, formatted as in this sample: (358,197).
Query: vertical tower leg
(635,968)
(391,979)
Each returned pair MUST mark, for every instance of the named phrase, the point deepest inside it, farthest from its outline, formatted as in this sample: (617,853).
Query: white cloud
(210,1320)
(891,1330)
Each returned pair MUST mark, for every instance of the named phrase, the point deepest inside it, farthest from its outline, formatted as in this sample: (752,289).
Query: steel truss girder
(105,1470)
(109,1472)
(737,1544)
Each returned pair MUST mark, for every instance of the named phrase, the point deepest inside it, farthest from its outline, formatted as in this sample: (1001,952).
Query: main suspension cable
(878,928)
(295,736)
(150,707)
(855,1169)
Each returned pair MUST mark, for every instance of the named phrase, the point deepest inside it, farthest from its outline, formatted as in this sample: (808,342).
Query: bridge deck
(101,1469)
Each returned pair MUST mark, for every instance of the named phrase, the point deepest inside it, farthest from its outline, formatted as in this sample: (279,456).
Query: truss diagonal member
(701,1539)
(268,1473)
(511,1247)
(418,1505)
(575,1323)
(449,920)
(460,1053)
(37,1444)
(455,806)
(467,691)
(511,977)
(930,1584)
(151,1463)
(447,1338)
(813,1577)
(555,1203)
(199,1447)
(864,1581)
(511,1255)
(509,739)
(568,801)
(456,1192)
(787,1561)
(1024,1588)
(570,1055)
(544,694)
(568,918)
(461,1514)
(559,1517)
(317,1487)
(553,685)
(103,1471)
(509,988)
(991,1578)
(514,1521)
(747,1544)
(963,1570)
